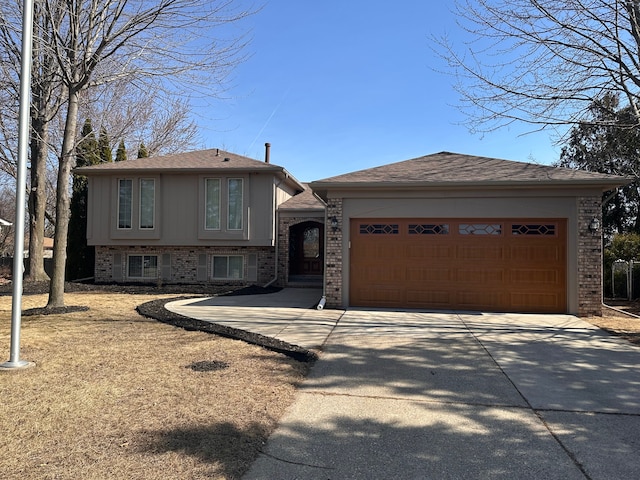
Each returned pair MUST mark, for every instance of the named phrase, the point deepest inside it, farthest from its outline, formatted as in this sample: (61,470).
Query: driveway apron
(419,395)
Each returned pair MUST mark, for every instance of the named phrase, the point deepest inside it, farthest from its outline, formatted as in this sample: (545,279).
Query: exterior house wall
(179,211)
(583,250)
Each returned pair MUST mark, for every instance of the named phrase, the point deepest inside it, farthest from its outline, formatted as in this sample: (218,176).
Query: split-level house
(206,216)
(443,231)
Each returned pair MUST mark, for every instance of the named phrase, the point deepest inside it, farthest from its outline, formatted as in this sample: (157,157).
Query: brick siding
(589,258)
(333,248)
(184,262)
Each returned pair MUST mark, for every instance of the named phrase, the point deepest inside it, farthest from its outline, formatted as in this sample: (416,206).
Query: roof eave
(606,183)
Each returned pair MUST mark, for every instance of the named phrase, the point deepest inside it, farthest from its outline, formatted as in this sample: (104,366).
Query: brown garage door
(503,265)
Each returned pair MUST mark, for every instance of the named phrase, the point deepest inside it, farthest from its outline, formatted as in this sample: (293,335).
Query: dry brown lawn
(618,323)
(113,395)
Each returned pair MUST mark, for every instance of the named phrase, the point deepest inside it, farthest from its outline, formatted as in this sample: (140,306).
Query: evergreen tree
(121,152)
(609,142)
(104,145)
(80,257)
(142,151)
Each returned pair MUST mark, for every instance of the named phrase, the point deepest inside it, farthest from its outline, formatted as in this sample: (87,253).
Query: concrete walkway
(288,315)
(453,395)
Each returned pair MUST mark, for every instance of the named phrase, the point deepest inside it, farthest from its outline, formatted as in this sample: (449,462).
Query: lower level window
(142,266)
(228,267)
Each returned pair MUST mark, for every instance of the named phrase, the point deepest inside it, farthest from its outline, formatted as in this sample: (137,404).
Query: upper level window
(147,203)
(125,201)
(234,220)
(212,204)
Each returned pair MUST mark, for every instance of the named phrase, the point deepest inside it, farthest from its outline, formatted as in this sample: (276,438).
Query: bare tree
(99,41)
(544,61)
(46,101)
(134,115)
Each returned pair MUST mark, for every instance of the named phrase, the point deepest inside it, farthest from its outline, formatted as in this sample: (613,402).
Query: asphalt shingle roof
(205,160)
(303,201)
(450,169)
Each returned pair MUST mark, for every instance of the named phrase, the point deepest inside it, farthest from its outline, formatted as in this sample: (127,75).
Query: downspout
(276,217)
(276,222)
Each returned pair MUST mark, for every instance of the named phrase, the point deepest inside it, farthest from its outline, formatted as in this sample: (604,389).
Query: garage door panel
(479,275)
(535,276)
(382,274)
(540,253)
(388,250)
(478,264)
(434,298)
(382,295)
(543,302)
(432,274)
(479,300)
(482,252)
(430,251)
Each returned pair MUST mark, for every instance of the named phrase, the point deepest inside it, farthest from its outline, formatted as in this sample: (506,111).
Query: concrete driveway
(424,395)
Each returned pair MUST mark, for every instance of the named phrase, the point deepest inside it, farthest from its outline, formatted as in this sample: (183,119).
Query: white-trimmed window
(142,266)
(234,218)
(227,267)
(212,204)
(125,203)
(147,203)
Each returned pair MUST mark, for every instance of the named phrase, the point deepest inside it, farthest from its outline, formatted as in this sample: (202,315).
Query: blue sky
(338,86)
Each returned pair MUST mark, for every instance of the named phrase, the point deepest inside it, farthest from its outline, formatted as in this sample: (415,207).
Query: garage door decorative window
(480,229)
(533,229)
(379,229)
(429,229)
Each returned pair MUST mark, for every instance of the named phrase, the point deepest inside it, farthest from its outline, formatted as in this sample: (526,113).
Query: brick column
(589,258)
(333,248)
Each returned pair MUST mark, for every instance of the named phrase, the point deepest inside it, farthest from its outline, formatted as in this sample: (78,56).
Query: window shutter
(201,273)
(252,267)
(117,267)
(165,269)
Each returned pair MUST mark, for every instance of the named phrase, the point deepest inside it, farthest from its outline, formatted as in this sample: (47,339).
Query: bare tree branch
(543,61)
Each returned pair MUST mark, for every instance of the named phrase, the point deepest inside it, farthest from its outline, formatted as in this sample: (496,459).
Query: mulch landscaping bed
(155,309)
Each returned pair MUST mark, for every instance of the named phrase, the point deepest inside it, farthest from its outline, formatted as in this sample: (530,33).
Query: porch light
(334,223)
(594,226)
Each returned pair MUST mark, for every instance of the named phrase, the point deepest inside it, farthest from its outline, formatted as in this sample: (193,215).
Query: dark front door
(306,249)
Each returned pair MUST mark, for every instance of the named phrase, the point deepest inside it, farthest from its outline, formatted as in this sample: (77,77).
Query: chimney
(217,152)
(267,152)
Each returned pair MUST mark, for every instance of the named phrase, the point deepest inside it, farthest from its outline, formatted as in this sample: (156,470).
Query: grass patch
(117,395)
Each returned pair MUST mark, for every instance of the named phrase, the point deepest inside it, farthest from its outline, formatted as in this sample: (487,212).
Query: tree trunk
(37,203)
(41,114)
(56,287)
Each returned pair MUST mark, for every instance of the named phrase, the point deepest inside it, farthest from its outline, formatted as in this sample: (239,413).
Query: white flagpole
(21,185)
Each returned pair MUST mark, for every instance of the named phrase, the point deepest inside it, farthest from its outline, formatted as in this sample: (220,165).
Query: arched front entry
(306,250)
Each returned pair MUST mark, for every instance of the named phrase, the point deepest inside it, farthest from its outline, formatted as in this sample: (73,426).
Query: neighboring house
(206,216)
(444,231)
(47,247)
(451,231)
